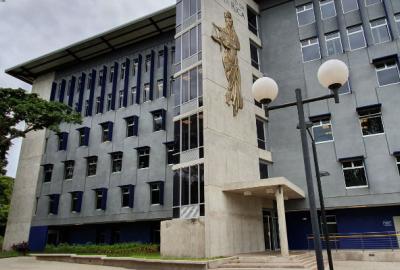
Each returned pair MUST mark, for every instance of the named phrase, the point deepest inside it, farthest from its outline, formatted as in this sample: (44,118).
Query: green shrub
(122,249)
(1,241)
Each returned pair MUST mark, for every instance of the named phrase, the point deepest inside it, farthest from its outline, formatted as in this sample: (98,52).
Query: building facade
(163,152)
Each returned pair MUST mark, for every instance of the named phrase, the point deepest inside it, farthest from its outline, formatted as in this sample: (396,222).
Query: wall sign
(237,7)
(387,223)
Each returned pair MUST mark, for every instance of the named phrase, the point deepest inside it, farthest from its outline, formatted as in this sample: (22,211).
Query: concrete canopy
(266,188)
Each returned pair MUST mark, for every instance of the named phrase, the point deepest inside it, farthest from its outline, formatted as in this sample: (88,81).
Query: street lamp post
(332,74)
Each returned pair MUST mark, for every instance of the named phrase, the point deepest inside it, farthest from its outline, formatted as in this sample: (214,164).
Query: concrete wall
(23,197)
(157,171)
(174,231)
(282,60)
(233,224)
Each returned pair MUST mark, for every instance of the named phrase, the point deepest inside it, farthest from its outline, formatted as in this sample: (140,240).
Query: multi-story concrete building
(159,145)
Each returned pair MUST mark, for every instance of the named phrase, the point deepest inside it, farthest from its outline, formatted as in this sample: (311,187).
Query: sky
(31,28)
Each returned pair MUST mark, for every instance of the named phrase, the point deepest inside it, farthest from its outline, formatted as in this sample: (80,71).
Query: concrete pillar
(365,22)
(280,205)
(320,28)
(394,32)
(342,25)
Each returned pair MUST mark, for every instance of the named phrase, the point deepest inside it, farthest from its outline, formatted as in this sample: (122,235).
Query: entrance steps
(296,261)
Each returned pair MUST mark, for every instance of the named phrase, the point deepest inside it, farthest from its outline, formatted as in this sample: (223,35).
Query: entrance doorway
(270,230)
(396,221)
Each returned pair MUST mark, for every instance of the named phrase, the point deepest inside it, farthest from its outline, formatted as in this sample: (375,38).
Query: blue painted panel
(139,79)
(53,91)
(126,82)
(81,92)
(114,86)
(91,94)
(152,74)
(71,91)
(62,91)
(103,89)
(37,238)
(165,72)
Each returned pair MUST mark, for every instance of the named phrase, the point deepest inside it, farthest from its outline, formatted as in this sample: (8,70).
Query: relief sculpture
(228,40)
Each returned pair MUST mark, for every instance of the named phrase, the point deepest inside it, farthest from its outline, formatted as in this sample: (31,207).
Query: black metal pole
(310,185)
(322,203)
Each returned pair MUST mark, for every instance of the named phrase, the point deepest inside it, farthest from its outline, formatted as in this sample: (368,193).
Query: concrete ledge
(367,255)
(130,263)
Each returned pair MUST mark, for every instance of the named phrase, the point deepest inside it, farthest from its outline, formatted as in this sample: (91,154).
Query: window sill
(90,176)
(68,180)
(381,86)
(356,187)
(143,168)
(373,135)
(116,172)
(325,142)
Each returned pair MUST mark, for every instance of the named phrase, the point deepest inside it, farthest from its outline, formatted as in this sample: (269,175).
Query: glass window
(133,95)
(322,131)
(398,163)
(82,136)
(380,31)
(160,89)
(356,37)
(252,19)
(74,202)
(371,122)
(109,99)
(130,126)
(254,54)
(99,199)
(97,105)
(143,158)
(146,92)
(91,166)
(185,134)
(372,2)
(47,172)
(123,68)
(101,76)
(155,193)
(194,184)
(193,132)
(89,81)
(305,14)
(158,121)
(121,99)
(87,107)
(125,194)
(160,59)
(185,186)
(397,20)
(111,74)
(147,62)
(193,84)
(191,136)
(327,9)
(186,45)
(69,169)
(387,72)
(53,204)
(310,49)
(105,135)
(261,134)
(116,162)
(193,41)
(330,223)
(263,169)
(333,44)
(135,66)
(354,174)
(345,89)
(185,87)
(349,5)
(171,154)
(62,141)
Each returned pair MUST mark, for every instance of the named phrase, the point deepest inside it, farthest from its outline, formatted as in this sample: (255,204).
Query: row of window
(186,10)
(189,86)
(100,200)
(189,133)
(188,45)
(305,13)
(356,38)
(131,126)
(143,161)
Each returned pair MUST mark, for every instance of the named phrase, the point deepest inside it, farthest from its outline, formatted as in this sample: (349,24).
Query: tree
(16,106)
(6,184)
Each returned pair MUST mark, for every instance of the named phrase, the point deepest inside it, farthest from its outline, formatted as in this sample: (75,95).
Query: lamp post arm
(305,101)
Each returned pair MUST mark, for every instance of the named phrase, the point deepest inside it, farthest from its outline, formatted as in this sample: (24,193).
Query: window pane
(254,55)
(355,177)
(193,131)
(305,14)
(185,186)
(371,125)
(185,87)
(334,44)
(311,52)
(194,184)
(260,134)
(323,132)
(372,2)
(388,76)
(263,169)
(193,83)
(349,5)
(356,38)
(201,175)
(176,187)
(380,31)
(345,89)
(185,134)
(193,41)
(185,45)
(252,21)
(327,9)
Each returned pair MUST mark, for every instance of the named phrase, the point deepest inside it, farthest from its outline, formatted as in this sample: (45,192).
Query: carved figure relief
(228,40)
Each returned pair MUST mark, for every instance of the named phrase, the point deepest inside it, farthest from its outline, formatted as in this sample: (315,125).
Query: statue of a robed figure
(228,40)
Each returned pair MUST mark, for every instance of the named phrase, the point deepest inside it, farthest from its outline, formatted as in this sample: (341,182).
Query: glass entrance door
(268,230)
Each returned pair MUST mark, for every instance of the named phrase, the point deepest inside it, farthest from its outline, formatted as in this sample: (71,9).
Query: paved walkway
(30,263)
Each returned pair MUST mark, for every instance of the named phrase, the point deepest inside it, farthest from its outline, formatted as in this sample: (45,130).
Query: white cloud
(29,29)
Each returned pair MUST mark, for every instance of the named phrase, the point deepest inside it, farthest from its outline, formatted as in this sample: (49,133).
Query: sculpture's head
(228,19)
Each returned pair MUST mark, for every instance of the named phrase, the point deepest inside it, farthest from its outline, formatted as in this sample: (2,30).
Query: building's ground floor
(350,228)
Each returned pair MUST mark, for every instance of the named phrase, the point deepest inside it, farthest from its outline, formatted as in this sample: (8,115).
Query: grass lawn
(8,254)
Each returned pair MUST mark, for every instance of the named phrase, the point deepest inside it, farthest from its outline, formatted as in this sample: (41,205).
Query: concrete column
(280,205)
(365,22)
(387,5)
(342,25)
(320,28)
